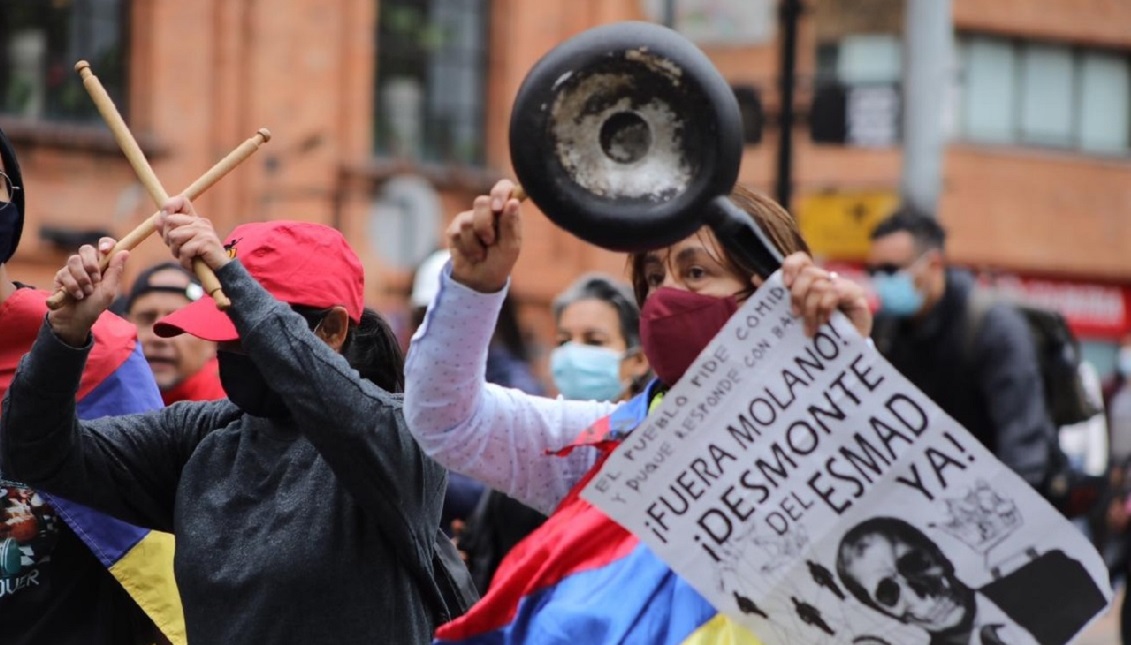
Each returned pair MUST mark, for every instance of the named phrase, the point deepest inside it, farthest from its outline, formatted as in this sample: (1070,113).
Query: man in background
(985,375)
(184,367)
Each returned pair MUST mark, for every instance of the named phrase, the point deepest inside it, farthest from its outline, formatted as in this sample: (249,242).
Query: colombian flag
(117,380)
(582,579)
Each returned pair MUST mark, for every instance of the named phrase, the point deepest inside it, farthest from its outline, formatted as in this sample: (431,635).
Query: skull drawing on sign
(894,568)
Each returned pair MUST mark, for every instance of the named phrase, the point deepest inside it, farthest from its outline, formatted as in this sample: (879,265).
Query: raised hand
(816,293)
(485,240)
(190,236)
(91,290)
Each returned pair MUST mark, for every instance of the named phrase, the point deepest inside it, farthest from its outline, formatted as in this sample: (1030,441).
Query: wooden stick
(141,167)
(135,237)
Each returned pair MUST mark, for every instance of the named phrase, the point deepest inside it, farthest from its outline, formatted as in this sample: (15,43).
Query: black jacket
(990,384)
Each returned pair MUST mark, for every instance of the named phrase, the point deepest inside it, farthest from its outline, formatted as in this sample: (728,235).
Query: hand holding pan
(141,167)
(628,137)
(197,188)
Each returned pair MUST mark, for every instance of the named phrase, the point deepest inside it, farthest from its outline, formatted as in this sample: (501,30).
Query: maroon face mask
(675,325)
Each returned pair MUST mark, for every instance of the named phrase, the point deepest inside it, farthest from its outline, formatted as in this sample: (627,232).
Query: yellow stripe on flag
(721,630)
(146,572)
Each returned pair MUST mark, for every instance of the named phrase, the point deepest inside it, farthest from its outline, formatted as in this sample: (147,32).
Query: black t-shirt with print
(53,590)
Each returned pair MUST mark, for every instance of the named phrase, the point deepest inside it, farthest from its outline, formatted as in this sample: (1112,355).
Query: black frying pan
(628,137)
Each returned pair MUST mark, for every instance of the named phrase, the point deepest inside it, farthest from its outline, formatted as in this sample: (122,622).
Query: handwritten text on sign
(774,444)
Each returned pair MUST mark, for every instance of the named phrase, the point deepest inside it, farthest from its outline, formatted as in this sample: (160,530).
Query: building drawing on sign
(753,551)
(981,519)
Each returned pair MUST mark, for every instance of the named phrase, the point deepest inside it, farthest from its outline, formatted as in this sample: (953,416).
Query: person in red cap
(287,498)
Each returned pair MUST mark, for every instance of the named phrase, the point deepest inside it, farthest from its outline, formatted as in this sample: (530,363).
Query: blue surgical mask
(897,293)
(584,372)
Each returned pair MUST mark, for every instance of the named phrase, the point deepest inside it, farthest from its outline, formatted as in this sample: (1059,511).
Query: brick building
(390,115)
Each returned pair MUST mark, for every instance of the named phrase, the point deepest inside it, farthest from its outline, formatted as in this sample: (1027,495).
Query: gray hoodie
(281,525)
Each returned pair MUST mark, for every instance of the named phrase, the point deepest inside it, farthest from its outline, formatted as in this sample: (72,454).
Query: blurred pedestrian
(54,588)
(184,366)
(598,358)
(598,355)
(987,378)
(582,578)
(289,497)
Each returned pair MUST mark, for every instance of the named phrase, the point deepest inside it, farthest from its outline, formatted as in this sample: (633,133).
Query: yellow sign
(837,225)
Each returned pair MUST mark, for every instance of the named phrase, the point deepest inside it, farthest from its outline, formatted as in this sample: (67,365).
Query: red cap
(297,262)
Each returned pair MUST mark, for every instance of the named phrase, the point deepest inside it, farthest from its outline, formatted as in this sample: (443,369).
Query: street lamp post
(789,13)
(927,45)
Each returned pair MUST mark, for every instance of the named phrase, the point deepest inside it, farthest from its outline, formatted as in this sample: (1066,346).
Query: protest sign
(809,491)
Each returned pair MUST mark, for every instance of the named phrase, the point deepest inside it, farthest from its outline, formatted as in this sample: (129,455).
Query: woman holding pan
(304,512)
(581,578)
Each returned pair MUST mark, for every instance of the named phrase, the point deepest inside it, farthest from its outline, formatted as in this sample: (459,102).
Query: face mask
(1123,363)
(11,216)
(897,293)
(245,386)
(10,225)
(587,373)
(676,325)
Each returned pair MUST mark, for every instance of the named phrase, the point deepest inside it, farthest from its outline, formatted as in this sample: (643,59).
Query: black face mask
(246,387)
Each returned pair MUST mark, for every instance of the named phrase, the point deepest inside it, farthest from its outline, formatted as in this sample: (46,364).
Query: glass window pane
(989,90)
(39,45)
(1047,95)
(869,59)
(1105,103)
(431,80)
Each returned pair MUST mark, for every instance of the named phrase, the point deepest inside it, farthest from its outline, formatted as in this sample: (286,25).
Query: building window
(856,100)
(1044,94)
(41,41)
(430,87)
(1105,103)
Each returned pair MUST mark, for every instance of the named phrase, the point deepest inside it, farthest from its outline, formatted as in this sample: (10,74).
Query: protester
(53,586)
(581,578)
(508,365)
(184,366)
(287,498)
(598,358)
(991,384)
(598,355)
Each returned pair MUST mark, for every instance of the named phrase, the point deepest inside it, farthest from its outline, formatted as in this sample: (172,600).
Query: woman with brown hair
(581,578)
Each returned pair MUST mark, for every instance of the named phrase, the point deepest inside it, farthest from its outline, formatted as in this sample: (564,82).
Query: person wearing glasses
(185,367)
(987,378)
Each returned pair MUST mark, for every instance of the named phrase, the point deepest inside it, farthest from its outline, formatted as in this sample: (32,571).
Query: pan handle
(737,231)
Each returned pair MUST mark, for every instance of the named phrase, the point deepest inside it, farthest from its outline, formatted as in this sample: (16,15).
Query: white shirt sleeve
(499,436)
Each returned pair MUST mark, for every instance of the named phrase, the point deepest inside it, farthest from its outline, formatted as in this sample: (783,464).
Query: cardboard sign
(810,492)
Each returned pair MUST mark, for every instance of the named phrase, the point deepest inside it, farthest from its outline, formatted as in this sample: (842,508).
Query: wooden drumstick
(203,183)
(141,167)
